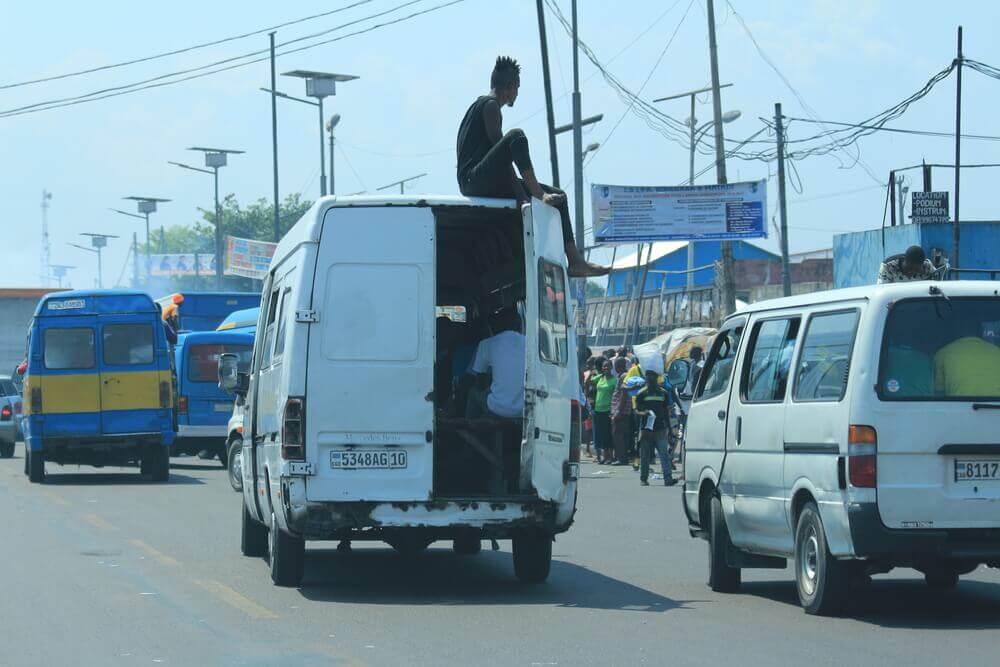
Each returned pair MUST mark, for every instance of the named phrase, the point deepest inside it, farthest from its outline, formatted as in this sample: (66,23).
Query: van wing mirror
(231,380)
(677,374)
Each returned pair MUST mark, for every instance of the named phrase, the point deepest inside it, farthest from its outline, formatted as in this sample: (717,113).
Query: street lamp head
(320,84)
(332,123)
(591,147)
(147,204)
(730,116)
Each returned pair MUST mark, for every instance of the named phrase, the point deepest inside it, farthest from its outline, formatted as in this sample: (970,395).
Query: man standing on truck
(486,159)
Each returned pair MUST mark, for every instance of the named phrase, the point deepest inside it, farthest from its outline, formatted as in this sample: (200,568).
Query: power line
(926,133)
(645,81)
(186,49)
(53,104)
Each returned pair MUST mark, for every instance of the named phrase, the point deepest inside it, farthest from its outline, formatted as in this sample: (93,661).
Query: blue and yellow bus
(203,311)
(98,386)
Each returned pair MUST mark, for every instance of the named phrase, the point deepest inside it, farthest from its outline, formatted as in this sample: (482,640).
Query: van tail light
(5,413)
(182,405)
(292,428)
(862,454)
(576,431)
(164,394)
(36,400)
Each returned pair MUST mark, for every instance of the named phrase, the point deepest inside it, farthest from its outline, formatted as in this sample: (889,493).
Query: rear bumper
(872,540)
(434,519)
(100,450)
(210,431)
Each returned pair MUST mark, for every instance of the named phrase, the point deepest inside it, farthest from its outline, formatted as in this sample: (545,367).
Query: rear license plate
(223,407)
(368,459)
(977,471)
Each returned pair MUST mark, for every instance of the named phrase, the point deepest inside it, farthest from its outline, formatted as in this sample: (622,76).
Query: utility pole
(135,260)
(547,81)
(728,287)
(786,279)
(956,230)
(901,191)
(274,141)
(46,245)
(581,290)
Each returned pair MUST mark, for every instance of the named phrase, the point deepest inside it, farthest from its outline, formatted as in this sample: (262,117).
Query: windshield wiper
(986,406)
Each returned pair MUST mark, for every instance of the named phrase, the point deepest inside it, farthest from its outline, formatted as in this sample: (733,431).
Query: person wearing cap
(911,265)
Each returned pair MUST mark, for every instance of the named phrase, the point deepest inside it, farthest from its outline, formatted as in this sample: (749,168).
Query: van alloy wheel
(235,463)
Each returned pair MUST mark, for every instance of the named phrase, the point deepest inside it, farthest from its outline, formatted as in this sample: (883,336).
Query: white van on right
(851,431)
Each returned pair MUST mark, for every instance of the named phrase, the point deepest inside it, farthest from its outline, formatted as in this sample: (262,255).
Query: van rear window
(128,344)
(203,360)
(67,349)
(937,349)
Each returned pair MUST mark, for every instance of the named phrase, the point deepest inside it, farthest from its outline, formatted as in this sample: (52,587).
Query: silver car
(10,416)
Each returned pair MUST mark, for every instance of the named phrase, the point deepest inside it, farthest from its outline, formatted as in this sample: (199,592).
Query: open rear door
(369,415)
(551,382)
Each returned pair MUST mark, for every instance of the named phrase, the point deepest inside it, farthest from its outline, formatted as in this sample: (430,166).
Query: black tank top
(473,142)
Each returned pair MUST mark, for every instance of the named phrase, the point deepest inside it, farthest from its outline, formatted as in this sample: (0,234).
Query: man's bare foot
(581,268)
(554,199)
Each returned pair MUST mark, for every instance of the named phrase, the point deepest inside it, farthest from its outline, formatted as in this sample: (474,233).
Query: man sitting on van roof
(485,155)
(911,265)
(503,355)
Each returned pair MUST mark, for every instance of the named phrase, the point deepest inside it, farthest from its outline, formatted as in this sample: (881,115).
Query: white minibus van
(852,431)
(361,422)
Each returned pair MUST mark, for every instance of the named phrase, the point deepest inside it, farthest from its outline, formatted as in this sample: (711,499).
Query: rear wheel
(7,450)
(36,467)
(941,578)
(234,460)
(821,580)
(721,577)
(468,545)
(253,539)
(532,557)
(158,465)
(287,556)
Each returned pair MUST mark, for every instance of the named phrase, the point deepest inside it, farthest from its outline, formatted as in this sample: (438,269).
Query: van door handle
(739,429)
(541,393)
(721,415)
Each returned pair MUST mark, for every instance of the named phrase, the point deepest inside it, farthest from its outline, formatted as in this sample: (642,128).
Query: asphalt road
(100,568)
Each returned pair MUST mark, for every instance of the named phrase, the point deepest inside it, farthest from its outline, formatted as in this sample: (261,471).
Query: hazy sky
(846,59)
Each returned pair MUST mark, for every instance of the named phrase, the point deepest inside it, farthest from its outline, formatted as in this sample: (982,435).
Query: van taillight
(292,428)
(862,453)
(576,431)
(182,405)
(5,413)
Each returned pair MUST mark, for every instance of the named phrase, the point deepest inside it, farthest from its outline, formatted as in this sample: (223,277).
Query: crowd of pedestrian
(630,414)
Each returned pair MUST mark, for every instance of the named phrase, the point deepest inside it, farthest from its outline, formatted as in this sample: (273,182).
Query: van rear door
(937,422)
(68,377)
(370,372)
(130,379)
(550,370)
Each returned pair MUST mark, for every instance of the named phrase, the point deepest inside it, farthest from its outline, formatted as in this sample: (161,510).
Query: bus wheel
(36,468)
(532,557)
(159,464)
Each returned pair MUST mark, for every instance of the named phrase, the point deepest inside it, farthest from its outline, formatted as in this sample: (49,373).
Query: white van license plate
(368,459)
(977,471)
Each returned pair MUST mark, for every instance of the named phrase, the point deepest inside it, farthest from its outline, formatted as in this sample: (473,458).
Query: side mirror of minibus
(231,380)
(677,374)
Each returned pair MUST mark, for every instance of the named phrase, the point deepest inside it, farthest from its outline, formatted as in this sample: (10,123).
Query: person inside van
(968,366)
(653,408)
(486,159)
(501,357)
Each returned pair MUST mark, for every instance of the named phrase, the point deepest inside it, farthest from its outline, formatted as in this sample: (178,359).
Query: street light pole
(322,153)
(218,232)
(331,125)
(726,248)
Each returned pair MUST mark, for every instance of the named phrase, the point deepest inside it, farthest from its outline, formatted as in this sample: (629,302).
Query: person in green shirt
(604,389)
(908,374)
(967,367)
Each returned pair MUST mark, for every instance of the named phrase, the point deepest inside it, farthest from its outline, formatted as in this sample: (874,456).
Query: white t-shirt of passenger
(503,353)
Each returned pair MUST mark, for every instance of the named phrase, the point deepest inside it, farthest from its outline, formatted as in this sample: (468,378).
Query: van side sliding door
(551,381)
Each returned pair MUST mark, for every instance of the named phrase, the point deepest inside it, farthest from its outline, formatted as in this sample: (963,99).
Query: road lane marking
(155,553)
(58,500)
(231,597)
(97,522)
